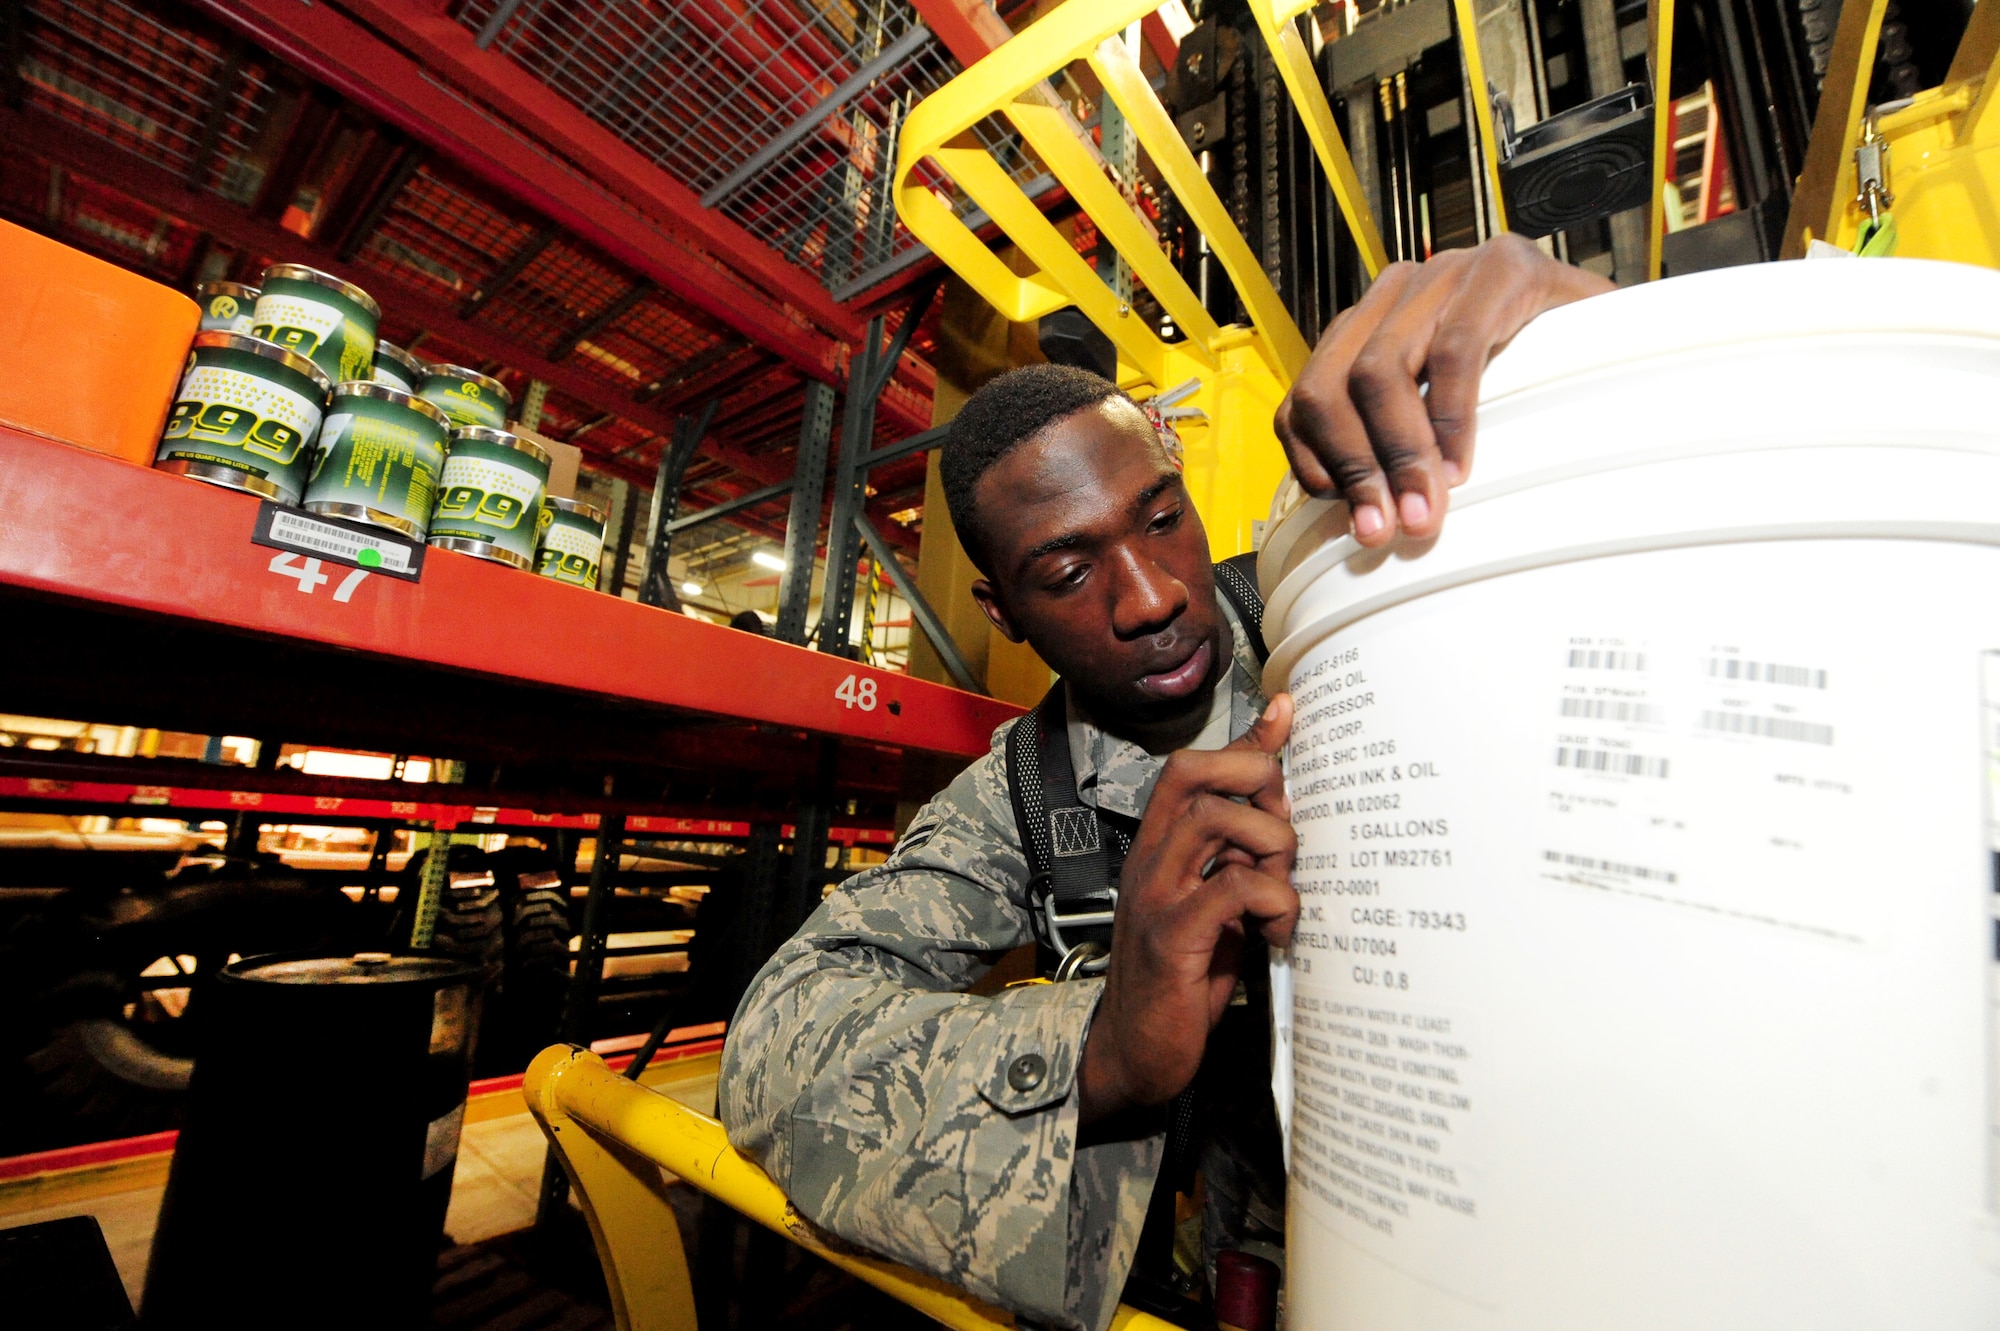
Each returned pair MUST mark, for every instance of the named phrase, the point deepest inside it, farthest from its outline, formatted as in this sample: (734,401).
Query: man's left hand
(1358,425)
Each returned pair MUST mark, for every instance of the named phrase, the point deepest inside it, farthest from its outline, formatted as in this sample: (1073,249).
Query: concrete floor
(493,1190)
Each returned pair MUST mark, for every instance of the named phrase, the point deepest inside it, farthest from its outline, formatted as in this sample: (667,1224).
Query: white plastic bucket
(1647,977)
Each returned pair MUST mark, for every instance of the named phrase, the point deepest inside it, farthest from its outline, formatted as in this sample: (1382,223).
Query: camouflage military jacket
(905,1115)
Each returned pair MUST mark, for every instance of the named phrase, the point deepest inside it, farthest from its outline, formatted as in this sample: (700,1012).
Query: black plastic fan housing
(1588,162)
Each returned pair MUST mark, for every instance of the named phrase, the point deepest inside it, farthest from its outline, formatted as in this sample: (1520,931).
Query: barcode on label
(1610,866)
(1767,727)
(1613,709)
(305,534)
(1764,672)
(1593,658)
(1604,760)
(297,537)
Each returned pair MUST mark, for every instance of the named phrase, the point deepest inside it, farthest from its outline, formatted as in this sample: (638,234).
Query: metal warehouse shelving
(150,605)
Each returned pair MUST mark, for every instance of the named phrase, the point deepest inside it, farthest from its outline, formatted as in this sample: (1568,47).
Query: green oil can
(379,457)
(318,315)
(246,413)
(227,307)
(572,542)
(467,396)
(490,496)
(398,368)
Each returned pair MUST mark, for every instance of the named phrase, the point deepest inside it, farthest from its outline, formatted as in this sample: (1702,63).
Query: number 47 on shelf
(306,573)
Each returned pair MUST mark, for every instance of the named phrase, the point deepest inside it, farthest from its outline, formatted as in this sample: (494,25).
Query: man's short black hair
(1009,410)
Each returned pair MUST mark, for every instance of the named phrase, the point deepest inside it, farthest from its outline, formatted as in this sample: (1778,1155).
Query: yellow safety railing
(619,1142)
(1239,374)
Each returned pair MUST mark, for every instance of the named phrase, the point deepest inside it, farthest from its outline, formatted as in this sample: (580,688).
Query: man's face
(1100,561)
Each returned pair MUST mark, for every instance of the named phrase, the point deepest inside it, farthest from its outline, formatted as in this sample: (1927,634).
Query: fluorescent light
(775,563)
(691,589)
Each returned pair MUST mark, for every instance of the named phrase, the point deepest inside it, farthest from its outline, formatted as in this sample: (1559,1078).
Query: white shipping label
(1518,795)
(1385,1067)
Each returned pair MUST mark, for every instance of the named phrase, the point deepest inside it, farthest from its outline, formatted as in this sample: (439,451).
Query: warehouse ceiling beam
(379,202)
(603,319)
(892,55)
(607,163)
(561,181)
(446,48)
(692,367)
(517,263)
(58,140)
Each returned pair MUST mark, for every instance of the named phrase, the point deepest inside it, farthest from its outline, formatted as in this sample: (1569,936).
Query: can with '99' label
(318,315)
(572,542)
(380,452)
(246,412)
(490,496)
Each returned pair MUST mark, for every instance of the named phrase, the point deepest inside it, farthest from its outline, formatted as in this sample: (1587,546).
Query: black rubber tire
(534,983)
(470,921)
(73,1068)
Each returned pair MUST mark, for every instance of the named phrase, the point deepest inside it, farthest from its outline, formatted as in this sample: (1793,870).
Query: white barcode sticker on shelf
(351,544)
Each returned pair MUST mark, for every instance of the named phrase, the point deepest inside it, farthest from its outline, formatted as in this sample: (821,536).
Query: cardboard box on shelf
(564,459)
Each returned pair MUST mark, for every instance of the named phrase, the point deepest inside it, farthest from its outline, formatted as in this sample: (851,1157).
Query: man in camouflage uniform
(1009,1143)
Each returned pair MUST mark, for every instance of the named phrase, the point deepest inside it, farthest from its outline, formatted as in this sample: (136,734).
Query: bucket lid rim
(391,393)
(298,272)
(269,350)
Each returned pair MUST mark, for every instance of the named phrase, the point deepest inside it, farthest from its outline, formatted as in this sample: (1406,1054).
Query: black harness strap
(1075,850)
(1074,853)
(1236,578)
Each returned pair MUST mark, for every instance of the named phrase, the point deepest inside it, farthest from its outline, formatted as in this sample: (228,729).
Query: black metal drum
(309,1186)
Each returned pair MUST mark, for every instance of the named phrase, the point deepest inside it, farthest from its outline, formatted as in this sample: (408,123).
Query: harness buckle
(1084,956)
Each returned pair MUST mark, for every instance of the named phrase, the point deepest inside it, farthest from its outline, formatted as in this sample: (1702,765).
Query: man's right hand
(1202,870)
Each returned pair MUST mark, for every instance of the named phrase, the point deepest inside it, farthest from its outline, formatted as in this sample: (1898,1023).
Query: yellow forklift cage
(1231,376)
(619,1143)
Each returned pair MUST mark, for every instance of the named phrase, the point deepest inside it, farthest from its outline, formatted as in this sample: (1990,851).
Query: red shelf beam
(86,526)
(143,799)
